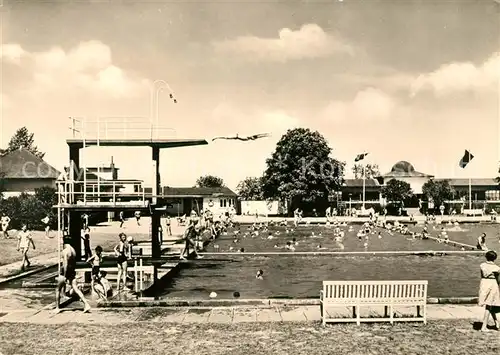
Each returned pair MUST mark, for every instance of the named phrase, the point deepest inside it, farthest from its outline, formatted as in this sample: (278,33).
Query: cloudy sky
(403,80)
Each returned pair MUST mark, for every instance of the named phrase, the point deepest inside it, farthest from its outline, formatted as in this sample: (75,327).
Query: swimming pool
(300,276)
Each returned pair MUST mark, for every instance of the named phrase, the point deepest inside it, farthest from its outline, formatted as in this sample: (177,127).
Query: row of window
(493,195)
(226,202)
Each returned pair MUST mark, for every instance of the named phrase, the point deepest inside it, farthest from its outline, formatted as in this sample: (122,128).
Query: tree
(209,181)
(301,170)
(371,171)
(23,138)
(439,191)
(2,184)
(251,189)
(397,191)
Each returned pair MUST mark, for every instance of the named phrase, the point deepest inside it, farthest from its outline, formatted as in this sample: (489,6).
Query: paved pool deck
(225,315)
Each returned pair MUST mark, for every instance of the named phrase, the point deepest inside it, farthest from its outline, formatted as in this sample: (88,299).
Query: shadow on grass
(478,325)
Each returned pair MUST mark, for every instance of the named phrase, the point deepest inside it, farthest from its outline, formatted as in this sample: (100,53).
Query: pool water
(298,276)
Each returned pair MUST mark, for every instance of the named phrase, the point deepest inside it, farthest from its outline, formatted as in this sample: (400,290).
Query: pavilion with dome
(483,190)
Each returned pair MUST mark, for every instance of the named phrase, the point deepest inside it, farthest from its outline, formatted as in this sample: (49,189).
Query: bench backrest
(476,211)
(366,290)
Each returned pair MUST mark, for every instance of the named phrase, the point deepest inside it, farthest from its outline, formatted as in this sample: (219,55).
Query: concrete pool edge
(249,302)
(26,274)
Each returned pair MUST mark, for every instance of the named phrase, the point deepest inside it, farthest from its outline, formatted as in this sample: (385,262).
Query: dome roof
(403,167)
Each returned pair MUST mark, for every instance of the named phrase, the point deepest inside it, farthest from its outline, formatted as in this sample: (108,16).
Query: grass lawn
(99,236)
(438,337)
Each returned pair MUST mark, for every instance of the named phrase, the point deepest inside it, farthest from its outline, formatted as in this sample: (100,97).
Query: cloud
(310,41)
(459,77)
(12,53)
(368,105)
(88,67)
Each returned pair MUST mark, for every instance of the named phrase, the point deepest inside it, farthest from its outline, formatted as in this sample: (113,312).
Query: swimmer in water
(260,275)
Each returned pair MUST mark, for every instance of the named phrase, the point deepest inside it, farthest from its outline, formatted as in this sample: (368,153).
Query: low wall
(262,208)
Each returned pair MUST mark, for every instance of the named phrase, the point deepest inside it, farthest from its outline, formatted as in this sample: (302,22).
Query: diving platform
(81,191)
(134,142)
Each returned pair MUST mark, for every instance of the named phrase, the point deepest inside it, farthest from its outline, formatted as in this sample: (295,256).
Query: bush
(31,209)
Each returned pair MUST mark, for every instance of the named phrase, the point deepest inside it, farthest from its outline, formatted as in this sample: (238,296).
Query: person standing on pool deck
(137,215)
(4,221)
(123,253)
(122,219)
(168,223)
(95,260)
(46,221)
(489,293)
(85,220)
(328,213)
(24,240)
(481,242)
(190,234)
(68,275)
(86,243)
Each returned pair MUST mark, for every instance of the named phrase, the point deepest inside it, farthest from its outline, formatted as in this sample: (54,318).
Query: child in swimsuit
(86,243)
(123,252)
(96,260)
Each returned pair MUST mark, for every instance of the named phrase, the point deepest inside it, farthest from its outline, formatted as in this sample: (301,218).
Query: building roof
(404,169)
(359,183)
(198,192)
(22,164)
(474,182)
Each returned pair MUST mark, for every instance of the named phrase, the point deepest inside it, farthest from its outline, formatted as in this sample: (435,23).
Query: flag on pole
(360,157)
(465,159)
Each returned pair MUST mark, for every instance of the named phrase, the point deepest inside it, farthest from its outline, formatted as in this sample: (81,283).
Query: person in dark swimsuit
(86,243)
(123,253)
(68,276)
(190,235)
(96,260)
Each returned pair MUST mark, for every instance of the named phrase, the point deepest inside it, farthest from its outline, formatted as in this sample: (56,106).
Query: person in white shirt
(328,213)
(24,240)
(4,223)
(138,217)
(46,221)
(489,293)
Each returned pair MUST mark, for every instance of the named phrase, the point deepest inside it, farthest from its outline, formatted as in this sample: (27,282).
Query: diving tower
(78,194)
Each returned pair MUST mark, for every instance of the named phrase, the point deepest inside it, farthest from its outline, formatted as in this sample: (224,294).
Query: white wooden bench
(357,294)
(473,212)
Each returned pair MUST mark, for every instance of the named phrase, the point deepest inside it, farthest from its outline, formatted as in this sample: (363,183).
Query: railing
(114,128)
(77,192)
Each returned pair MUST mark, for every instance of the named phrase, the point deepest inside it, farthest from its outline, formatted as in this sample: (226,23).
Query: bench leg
(354,312)
(418,312)
(392,313)
(358,318)
(386,311)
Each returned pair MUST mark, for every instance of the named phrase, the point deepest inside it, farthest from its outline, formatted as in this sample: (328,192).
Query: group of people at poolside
(5,222)
(67,283)
(197,226)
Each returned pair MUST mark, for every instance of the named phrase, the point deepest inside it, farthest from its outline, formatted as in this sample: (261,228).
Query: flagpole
(364,187)
(470,187)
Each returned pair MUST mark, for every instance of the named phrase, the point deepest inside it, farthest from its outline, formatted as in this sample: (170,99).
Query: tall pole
(155,95)
(364,186)
(470,186)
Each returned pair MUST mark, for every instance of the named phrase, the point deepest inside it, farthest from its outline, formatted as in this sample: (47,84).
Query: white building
(182,200)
